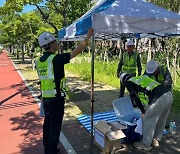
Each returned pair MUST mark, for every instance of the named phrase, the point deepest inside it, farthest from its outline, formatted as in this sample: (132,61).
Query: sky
(27,8)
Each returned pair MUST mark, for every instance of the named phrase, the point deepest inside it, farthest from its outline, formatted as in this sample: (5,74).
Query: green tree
(57,13)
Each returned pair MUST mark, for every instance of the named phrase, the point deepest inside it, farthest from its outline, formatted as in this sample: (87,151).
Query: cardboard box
(107,135)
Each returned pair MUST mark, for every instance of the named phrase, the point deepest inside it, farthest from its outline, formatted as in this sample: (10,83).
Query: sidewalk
(21,126)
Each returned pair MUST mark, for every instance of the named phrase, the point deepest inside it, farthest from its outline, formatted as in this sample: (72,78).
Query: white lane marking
(66,144)
(3,64)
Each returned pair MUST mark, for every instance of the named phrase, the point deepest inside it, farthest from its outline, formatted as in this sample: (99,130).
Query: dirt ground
(79,103)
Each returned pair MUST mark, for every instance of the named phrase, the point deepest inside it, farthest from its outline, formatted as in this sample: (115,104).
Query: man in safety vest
(129,62)
(159,73)
(154,118)
(50,69)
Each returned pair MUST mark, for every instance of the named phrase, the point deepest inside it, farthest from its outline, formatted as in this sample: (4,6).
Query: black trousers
(54,111)
(122,89)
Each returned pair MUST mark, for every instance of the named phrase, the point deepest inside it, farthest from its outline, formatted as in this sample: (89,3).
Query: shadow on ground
(30,124)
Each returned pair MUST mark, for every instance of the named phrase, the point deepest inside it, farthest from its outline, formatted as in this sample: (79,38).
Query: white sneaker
(141,146)
(155,143)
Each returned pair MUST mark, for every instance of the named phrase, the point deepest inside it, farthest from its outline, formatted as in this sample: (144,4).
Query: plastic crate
(125,112)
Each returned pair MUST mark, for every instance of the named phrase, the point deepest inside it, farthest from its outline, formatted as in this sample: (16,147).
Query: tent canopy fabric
(113,19)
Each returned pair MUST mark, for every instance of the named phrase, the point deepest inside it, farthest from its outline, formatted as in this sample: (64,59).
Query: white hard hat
(129,42)
(45,38)
(151,66)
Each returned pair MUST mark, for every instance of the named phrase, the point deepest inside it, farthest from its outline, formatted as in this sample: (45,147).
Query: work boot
(58,150)
(155,143)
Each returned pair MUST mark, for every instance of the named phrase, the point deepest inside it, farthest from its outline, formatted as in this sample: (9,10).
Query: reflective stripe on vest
(145,82)
(129,63)
(49,93)
(46,76)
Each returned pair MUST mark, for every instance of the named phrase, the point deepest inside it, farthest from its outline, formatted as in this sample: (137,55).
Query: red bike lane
(20,124)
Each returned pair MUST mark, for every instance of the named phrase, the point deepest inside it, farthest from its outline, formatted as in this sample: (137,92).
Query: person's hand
(166,83)
(143,115)
(89,33)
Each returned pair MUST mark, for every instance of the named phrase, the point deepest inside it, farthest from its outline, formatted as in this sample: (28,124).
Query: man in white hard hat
(50,69)
(159,103)
(129,63)
(159,72)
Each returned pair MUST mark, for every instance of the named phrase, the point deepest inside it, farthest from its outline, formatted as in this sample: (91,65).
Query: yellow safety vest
(129,63)
(45,72)
(145,82)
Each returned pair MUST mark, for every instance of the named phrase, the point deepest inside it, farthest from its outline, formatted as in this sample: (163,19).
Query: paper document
(138,128)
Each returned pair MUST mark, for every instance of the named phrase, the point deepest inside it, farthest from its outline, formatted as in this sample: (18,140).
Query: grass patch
(103,72)
(176,97)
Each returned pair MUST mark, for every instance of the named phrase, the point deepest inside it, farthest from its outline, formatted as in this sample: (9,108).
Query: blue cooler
(128,116)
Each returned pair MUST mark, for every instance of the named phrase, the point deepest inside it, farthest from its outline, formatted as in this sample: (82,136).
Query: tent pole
(92,91)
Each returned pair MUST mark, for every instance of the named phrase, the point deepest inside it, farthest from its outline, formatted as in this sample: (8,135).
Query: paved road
(21,126)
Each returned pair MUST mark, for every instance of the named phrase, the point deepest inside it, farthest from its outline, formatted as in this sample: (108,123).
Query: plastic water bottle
(171,126)
(174,128)
(135,121)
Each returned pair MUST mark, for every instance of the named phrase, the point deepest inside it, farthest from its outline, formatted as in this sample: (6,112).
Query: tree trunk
(17,55)
(23,48)
(10,49)
(174,64)
(32,61)
(178,6)
(149,51)
(101,48)
(105,55)
(167,58)
(65,13)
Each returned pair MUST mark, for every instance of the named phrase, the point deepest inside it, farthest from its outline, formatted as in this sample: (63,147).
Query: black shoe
(58,150)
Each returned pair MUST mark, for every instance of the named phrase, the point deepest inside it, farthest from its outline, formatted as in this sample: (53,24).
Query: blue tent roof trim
(132,18)
(85,23)
(62,33)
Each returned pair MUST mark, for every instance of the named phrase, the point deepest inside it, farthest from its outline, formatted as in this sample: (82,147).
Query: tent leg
(92,92)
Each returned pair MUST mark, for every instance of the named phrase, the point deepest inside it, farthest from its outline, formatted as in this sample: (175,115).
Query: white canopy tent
(113,19)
